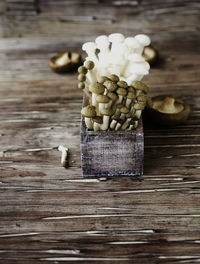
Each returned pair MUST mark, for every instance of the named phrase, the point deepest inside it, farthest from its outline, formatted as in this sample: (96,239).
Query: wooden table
(49,214)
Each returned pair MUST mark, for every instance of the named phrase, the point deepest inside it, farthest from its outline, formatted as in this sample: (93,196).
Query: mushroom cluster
(111,77)
(114,104)
(115,54)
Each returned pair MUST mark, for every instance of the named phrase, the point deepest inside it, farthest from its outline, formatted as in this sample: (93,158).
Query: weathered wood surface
(111,153)
(52,215)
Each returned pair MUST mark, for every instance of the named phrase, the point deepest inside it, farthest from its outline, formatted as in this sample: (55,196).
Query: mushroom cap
(141,98)
(124,110)
(81,85)
(139,106)
(102,98)
(89,46)
(88,111)
(110,85)
(65,62)
(116,37)
(119,106)
(168,106)
(89,64)
(143,39)
(81,77)
(102,41)
(122,84)
(114,78)
(121,91)
(97,88)
(130,95)
(107,112)
(150,55)
(138,85)
(82,69)
(131,89)
(102,79)
(112,96)
(178,113)
(97,119)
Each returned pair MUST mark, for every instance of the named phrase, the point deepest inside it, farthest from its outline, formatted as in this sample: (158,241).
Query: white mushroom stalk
(64,155)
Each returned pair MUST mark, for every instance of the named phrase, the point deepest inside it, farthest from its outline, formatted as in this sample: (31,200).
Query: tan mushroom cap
(88,111)
(82,69)
(81,77)
(89,64)
(110,85)
(130,95)
(81,85)
(122,84)
(119,106)
(114,78)
(97,119)
(141,98)
(121,91)
(97,88)
(102,98)
(139,106)
(112,96)
(131,89)
(168,106)
(138,85)
(102,79)
(124,110)
(107,112)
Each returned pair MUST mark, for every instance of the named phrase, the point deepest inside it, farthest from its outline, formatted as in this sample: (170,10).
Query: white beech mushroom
(90,49)
(144,40)
(107,113)
(95,89)
(88,112)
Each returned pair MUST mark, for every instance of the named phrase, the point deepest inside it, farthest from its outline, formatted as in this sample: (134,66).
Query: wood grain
(49,214)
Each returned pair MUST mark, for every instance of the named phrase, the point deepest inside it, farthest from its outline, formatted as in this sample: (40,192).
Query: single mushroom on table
(88,112)
(65,62)
(167,110)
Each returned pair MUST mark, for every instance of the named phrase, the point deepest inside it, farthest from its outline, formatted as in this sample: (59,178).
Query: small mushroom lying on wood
(65,62)
(64,155)
(167,110)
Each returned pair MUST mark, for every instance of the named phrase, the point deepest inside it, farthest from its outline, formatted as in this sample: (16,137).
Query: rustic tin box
(111,153)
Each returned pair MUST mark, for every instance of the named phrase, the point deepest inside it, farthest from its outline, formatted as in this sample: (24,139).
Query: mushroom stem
(113,123)
(88,122)
(64,151)
(105,124)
